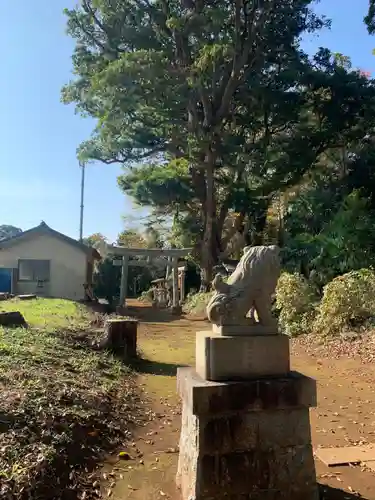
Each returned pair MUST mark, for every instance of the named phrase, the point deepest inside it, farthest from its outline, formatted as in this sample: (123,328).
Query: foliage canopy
(211,106)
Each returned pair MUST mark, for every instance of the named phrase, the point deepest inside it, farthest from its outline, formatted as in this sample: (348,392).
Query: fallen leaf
(172,450)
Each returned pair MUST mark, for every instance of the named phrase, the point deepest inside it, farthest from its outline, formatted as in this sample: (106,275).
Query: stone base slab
(259,431)
(206,397)
(246,329)
(285,474)
(257,450)
(242,357)
(290,494)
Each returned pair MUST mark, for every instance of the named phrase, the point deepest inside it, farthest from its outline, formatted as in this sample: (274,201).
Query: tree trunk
(259,224)
(205,280)
(121,337)
(209,245)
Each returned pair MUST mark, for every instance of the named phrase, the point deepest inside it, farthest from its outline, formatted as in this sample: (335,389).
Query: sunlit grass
(50,314)
(166,351)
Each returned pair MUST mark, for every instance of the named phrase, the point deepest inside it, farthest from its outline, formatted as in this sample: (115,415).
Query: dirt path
(345,414)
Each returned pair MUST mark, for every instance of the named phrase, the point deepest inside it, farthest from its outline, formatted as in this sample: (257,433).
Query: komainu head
(250,286)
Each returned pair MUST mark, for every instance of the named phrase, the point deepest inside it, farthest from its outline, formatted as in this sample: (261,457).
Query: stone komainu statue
(250,286)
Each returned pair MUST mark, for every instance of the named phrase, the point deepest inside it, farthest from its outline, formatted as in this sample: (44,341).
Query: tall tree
(215,96)
(370,17)
(131,239)
(95,240)
(8,231)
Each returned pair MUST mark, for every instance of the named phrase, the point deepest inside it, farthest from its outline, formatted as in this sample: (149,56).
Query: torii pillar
(176,307)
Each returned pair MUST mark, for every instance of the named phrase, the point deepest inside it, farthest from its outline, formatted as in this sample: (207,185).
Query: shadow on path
(155,367)
(329,493)
(151,314)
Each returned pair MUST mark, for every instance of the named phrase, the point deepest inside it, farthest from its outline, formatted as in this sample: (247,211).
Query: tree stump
(29,296)
(12,319)
(121,337)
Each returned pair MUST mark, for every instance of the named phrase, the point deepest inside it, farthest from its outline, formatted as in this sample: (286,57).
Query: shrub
(196,303)
(296,301)
(147,295)
(348,301)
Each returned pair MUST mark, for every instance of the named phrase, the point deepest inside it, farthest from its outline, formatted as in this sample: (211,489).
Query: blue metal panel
(5,280)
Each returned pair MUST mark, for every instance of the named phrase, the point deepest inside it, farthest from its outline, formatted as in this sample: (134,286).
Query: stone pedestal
(245,421)
(246,440)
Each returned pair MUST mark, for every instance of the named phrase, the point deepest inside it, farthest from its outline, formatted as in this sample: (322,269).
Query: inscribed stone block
(242,357)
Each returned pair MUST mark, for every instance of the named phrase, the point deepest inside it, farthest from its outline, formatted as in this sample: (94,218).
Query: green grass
(163,352)
(63,403)
(50,314)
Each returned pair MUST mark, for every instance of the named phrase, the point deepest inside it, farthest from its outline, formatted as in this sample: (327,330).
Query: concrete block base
(227,358)
(246,440)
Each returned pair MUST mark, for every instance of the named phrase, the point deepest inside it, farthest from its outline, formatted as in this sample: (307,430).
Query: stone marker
(245,422)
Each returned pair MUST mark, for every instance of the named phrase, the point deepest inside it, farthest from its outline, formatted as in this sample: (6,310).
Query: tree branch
(129,157)
(108,162)
(229,236)
(238,64)
(92,13)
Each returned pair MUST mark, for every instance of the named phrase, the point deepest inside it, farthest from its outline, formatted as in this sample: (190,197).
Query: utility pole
(82,165)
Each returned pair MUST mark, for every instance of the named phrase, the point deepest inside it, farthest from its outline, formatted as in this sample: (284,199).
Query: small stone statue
(249,288)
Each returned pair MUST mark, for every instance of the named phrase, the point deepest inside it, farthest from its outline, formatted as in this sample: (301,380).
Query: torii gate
(172,254)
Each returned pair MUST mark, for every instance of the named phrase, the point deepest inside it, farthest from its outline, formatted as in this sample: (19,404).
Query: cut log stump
(29,296)
(12,319)
(5,296)
(121,337)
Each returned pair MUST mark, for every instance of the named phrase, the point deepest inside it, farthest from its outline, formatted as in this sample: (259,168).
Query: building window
(33,270)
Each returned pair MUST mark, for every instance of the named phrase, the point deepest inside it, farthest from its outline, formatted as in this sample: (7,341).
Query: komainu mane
(250,286)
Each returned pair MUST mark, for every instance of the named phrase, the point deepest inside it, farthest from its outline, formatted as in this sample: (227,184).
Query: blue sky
(39,174)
